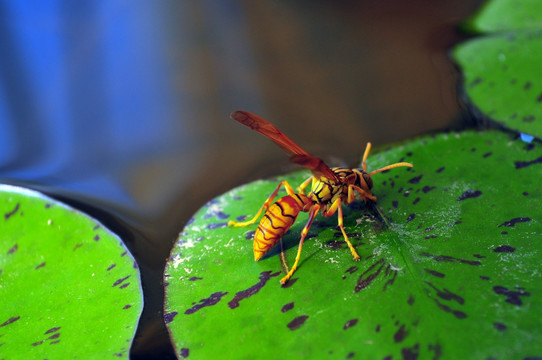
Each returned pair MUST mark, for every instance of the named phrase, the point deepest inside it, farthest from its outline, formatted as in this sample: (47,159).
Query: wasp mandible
(331,187)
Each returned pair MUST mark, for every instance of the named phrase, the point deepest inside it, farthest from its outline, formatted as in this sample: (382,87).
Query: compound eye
(368,180)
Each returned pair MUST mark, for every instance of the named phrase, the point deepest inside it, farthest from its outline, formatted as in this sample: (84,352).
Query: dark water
(121,108)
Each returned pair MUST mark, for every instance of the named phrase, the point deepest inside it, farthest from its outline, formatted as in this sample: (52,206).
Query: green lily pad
(506,15)
(501,71)
(69,288)
(453,272)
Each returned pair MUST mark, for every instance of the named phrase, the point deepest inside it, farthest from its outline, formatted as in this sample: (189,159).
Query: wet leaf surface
(455,274)
(69,287)
(501,69)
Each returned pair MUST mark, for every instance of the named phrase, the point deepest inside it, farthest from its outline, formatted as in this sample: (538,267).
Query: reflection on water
(121,108)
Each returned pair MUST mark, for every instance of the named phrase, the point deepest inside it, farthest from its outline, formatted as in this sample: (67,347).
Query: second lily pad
(69,288)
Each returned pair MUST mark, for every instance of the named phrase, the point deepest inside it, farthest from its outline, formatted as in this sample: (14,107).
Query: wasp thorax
(368,180)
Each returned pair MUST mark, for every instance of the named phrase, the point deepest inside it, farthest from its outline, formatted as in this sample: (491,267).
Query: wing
(297,154)
(317,166)
(268,130)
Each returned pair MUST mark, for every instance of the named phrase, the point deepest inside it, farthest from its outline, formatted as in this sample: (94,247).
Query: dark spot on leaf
(368,276)
(528,119)
(168,317)
(96,237)
(350,323)
(119,281)
(525,193)
(512,297)
(410,300)
(13,249)
(264,277)
(435,273)
(111,267)
(395,203)
(499,326)
(410,217)
(487,154)
(351,269)
(126,307)
(392,280)
(377,328)
(297,322)
(446,294)
(184,353)
(250,235)
(539,98)
(447,258)
(12,212)
(194,278)
(210,301)
(504,232)
(125,285)
(504,249)
(514,221)
(416,201)
(415,180)
(52,330)
(484,277)
(350,355)
(411,353)
(217,225)
(478,256)
(426,189)
(441,169)
(11,320)
(54,336)
(437,349)
(287,307)
(40,265)
(475,82)
(458,314)
(527,85)
(400,334)
(523,164)
(38,343)
(290,283)
(469,194)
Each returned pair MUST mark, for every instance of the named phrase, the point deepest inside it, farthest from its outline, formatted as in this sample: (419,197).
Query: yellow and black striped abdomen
(275,223)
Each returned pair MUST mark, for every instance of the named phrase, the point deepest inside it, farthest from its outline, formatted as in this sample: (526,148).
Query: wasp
(330,188)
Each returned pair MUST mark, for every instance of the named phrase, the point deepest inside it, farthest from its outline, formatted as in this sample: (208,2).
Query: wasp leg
(350,246)
(336,206)
(301,188)
(365,195)
(265,205)
(365,156)
(304,232)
